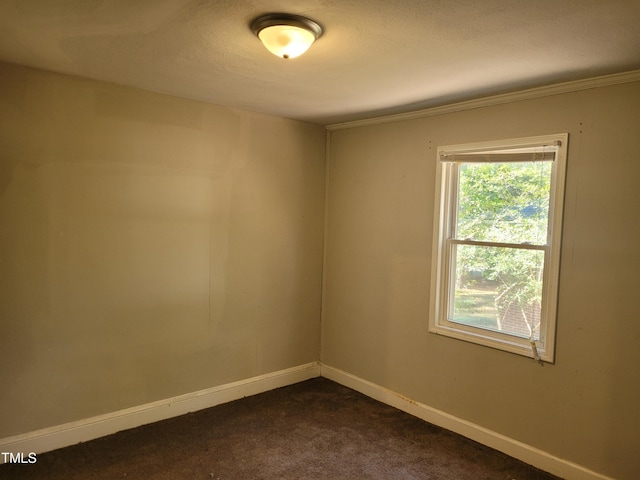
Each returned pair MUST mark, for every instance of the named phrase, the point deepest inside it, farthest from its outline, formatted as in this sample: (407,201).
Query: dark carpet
(312,430)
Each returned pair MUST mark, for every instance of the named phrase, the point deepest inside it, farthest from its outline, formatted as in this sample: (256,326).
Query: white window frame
(446,194)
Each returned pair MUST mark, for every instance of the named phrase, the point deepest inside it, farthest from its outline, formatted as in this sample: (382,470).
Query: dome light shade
(284,35)
(286,41)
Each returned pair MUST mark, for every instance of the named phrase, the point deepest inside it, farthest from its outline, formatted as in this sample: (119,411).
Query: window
(496,248)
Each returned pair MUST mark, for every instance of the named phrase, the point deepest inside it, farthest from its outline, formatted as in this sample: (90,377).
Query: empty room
(319,239)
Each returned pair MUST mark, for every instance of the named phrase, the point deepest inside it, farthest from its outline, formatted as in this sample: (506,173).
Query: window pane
(498,289)
(504,202)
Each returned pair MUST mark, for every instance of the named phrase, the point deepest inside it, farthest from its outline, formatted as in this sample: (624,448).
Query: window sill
(494,340)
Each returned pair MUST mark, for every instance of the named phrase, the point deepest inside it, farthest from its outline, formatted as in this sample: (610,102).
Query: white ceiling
(376,56)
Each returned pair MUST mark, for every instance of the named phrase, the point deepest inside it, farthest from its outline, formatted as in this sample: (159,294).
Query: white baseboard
(60,436)
(528,454)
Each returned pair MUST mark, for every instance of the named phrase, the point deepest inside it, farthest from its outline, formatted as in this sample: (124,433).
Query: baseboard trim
(60,436)
(528,454)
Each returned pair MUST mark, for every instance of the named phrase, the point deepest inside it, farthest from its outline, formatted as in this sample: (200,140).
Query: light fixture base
(273,19)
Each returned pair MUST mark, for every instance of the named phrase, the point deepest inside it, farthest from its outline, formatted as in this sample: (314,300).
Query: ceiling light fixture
(285,35)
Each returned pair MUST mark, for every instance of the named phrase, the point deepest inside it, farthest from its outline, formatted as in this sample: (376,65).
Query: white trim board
(60,436)
(528,454)
(528,94)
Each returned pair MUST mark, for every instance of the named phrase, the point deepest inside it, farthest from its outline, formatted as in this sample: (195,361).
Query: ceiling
(376,57)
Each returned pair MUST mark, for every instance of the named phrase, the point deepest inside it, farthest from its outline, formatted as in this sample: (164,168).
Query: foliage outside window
(497,243)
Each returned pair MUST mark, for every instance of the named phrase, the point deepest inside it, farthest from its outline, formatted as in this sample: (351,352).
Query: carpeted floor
(312,430)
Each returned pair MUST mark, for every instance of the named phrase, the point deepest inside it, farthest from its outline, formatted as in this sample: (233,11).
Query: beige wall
(149,246)
(152,246)
(378,264)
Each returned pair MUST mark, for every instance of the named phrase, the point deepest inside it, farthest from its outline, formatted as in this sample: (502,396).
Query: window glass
(498,289)
(504,202)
